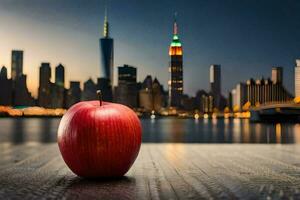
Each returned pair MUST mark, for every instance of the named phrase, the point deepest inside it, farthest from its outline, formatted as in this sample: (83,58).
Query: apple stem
(99,93)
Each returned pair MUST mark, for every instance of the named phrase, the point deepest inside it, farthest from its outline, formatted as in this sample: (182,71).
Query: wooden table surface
(162,171)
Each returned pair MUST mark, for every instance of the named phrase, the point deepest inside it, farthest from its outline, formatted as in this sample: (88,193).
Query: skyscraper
(215,84)
(44,98)
(199,100)
(263,91)
(57,90)
(277,75)
(126,74)
(6,88)
(104,85)
(74,93)
(20,94)
(60,75)
(145,94)
(175,69)
(126,92)
(89,90)
(151,95)
(147,83)
(107,52)
(16,64)
(239,95)
(297,78)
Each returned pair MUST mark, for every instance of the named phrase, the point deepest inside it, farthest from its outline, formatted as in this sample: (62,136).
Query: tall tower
(44,98)
(107,51)
(126,92)
(215,84)
(175,69)
(60,75)
(297,78)
(277,75)
(16,64)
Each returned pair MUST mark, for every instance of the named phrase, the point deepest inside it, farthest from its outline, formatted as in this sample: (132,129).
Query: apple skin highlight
(99,139)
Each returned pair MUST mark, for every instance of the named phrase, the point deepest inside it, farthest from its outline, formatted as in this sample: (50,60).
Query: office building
(151,95)
(127,74)
(239,96)
(20,93)
(126,92)
(73,94)
(277,75)
(104,85)
(107,52)
(44,92)
(6,88)
(229,102)
(60,75)
(89,92)
(145,95)
(147,83)
(58,91)
(188,103)
(263,91)
(199,100)
(157,95)
(215,84)
(16,64)
(22,96)
(207,103)
(176,70)
(297,78)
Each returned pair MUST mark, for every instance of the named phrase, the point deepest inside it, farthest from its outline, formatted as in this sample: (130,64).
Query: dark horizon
(246,37)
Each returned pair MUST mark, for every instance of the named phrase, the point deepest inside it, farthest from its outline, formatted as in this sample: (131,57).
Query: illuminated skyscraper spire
(175,28)
(175,68)
(175,47)
(106,24)
(106,44)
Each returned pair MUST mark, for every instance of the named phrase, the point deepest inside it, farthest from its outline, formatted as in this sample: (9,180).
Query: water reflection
(46,131)
(18,131)
(278,132)
(246,132)
(296,130)
(164,130)
(236,132)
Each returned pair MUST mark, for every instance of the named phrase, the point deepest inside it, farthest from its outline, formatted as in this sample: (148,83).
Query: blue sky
(247,37)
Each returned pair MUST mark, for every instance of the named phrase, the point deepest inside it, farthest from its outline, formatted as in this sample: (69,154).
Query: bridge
(276,111)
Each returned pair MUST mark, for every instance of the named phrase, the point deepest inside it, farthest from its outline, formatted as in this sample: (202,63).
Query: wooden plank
(159,184)
(179,185)
(259,174)
(162,171)
(12,154)
(21,179)
(197,177)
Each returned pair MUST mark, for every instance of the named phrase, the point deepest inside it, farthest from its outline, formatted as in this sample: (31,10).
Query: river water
(164,130)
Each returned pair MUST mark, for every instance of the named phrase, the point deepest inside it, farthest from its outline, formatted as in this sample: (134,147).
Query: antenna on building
(175,28)
(106,24)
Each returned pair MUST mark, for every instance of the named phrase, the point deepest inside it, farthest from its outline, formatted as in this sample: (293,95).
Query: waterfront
(164,130)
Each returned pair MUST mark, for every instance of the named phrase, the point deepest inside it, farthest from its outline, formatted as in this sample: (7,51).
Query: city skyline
(81,39)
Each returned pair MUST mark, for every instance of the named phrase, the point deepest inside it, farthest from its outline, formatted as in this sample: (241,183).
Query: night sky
(246,37)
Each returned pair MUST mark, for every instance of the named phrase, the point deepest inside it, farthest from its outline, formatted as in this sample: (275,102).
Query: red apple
(99,139)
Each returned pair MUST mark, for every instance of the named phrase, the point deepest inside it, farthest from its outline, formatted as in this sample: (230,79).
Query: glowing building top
(175,47)
(106,44)
(106,24)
